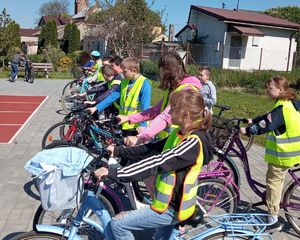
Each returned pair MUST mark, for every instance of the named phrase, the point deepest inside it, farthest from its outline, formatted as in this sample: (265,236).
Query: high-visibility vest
(98,67)
(110,84)
(284,149)
(170,128)
(165,182)
(129,102)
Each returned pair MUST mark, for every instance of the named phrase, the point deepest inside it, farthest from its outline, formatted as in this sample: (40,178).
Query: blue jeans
(14,71)
(143,219)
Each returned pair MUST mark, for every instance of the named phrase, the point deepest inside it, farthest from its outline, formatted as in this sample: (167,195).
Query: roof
(245,31)
(28,32)
(188,26)
(244,16)
(58,20)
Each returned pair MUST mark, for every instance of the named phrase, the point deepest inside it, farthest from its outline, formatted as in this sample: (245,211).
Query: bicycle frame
(242,155)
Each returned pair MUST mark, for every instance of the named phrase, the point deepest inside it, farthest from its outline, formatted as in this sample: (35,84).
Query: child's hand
(250,121)
(111,149)
(92,110)
(243,131)
(101,172)
(123,118)
(131,141)
(140,129)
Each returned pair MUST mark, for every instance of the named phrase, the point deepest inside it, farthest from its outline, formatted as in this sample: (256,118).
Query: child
(173,78)
(18,57)
(176,163)
(208,89)
(134,94)
(282,145)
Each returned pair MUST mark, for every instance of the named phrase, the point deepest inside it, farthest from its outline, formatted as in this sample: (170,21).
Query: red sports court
(15,112)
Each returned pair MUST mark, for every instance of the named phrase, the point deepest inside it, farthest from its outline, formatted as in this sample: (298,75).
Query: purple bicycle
(291,194)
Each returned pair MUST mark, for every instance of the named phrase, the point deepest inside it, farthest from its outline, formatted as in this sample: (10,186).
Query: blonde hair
(131,63)
(283,84)
(192,101)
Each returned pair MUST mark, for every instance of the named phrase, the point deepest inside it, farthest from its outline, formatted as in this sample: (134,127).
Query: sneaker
(275,227)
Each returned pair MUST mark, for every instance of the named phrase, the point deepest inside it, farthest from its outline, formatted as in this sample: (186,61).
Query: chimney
(81,5)
(171,33)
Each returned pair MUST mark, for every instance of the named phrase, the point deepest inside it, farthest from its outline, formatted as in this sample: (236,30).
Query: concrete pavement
(16,208)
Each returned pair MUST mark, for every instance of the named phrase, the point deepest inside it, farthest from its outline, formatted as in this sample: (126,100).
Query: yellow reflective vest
(98,68)
(129,102)
(165,182)
(110,84)
(170,128)
(284,149)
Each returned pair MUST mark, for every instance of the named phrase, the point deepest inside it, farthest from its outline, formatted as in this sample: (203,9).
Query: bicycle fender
(56,230)
(232,162)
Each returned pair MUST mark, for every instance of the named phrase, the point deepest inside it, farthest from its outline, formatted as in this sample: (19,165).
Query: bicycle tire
(69,85)
(292,196)
(42,216)
(62,131)
(38,236)
(247,142)
(209,189)
(67,103)
(224,236)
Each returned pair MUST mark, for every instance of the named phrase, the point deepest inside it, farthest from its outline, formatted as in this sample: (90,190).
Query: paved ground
(16,208)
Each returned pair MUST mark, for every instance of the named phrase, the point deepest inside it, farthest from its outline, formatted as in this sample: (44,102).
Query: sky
(25,12)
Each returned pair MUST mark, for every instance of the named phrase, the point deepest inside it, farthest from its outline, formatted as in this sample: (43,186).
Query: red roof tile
(58,20)
(244,16)
(246,31)
(28,32)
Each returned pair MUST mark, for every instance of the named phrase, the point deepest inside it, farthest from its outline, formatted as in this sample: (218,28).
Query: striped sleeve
(182,156)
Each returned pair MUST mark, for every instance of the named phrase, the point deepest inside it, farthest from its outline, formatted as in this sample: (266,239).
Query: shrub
(149,68)
(37,58)
(55,55)
(65,64)
(83,57)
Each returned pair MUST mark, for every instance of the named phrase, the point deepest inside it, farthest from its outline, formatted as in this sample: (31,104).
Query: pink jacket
(160,120)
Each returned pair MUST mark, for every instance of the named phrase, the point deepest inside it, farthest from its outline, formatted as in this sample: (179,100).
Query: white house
(29,40)
(239,39)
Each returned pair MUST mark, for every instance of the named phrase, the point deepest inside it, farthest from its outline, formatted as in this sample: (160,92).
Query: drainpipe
(223,47)
(290,48)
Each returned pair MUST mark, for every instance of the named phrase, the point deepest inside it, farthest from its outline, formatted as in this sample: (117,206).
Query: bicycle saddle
(222,107)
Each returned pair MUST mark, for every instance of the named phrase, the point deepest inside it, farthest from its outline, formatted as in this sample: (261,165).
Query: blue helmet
(95,53)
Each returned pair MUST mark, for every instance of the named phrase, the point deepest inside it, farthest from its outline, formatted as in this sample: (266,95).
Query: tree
(48,35)
(71,39)
(54,8)
(4,18)
(290,13)
(124,23)
(9,38)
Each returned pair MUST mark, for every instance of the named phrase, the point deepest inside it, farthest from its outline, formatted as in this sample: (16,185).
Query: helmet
(95,54)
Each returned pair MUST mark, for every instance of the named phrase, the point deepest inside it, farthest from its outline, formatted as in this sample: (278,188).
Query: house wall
(210,33)
(264,53)
(32,44)
(269,53)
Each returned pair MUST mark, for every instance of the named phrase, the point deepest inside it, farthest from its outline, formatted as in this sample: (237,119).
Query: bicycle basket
(58,191)
(219,131)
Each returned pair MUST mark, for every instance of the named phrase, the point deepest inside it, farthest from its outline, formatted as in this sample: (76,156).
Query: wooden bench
(39,67)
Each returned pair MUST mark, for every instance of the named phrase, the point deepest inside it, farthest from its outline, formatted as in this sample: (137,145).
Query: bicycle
(220,133)
(95,208)
(291,193)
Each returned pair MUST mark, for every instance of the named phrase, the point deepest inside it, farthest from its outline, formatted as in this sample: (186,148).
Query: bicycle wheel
(247,141)
(68,99)
(62,131)
(291,204)
(226,235)
(38,236)
(61,217)
(70,85)
(215,198)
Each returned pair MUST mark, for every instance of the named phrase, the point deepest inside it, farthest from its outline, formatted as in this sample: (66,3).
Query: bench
(39,67)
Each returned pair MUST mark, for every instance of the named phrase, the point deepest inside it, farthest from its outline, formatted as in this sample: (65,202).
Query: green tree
(54,8)
(48,35)
(71,39)
(290,13)
(9,38)
(124,23)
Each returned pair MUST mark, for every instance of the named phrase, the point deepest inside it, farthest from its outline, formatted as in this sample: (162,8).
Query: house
(29,40)
(239,39)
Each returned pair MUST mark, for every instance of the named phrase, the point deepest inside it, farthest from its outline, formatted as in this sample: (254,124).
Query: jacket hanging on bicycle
(283,144)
